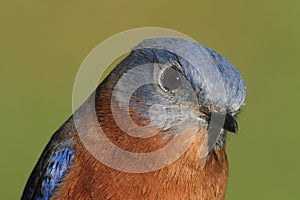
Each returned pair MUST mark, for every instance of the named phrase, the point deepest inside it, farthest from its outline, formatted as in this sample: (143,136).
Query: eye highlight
(170,79)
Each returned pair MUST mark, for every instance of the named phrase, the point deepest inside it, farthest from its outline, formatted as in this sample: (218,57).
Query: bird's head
(172,84)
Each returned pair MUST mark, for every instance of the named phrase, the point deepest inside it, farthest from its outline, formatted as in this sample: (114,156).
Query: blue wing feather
(50,170)
(56,170)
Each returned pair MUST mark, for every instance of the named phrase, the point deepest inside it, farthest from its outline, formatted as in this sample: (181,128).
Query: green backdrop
(42,45)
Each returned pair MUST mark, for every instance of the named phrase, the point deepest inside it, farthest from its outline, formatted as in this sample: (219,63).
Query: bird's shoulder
(52,166)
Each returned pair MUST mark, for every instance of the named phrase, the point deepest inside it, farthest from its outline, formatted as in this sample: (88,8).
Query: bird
(168,94)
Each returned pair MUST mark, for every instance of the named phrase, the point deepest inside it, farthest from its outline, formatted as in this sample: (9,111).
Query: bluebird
(167,107)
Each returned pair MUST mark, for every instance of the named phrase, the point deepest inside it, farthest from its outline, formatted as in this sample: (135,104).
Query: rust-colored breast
(190,177)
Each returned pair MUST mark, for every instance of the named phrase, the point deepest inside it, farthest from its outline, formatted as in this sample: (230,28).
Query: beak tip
(230,124)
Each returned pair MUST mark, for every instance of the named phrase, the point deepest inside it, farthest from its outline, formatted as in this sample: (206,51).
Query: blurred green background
(42,45)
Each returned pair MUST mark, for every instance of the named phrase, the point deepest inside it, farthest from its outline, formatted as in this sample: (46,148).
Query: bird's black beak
(230,124)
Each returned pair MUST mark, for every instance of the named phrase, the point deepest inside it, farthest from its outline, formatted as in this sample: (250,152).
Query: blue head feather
(220,84)
(209,81)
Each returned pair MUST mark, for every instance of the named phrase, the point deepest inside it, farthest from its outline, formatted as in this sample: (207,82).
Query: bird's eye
(170,79)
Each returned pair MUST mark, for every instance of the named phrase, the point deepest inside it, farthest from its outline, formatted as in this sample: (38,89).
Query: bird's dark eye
(170,79)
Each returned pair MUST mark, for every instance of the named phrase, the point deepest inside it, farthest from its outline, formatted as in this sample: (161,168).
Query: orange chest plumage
(189,177)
